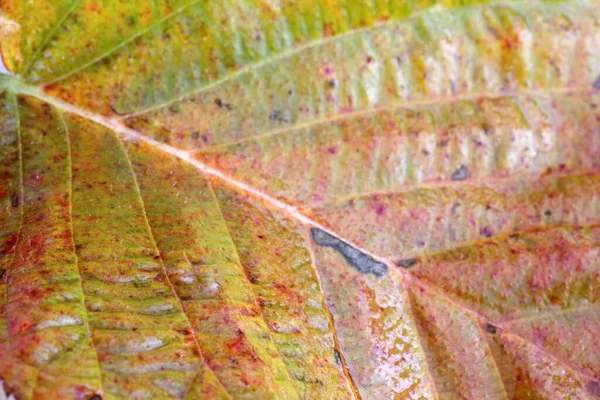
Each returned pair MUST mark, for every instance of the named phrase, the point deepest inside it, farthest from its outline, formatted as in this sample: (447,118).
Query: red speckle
(331,150)
(380,209)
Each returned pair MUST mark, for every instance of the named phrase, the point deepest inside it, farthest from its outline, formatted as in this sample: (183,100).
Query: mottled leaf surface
(346,199)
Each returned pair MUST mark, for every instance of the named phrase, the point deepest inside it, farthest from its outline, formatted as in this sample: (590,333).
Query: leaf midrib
(16,86)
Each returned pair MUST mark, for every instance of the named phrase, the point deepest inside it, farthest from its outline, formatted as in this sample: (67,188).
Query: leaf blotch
(14,200)
(460,174)
(363,263)
(489,328)
(407,262)
(597,83)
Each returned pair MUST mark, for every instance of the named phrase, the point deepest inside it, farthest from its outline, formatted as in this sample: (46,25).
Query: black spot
(204,139)
(338,357)
(597,83)
(323,238)
(96,397)
(548,213)
(277,116)
(490,328)
(290,91)
(2,271)
(221,104)
(14,200)
(407,262)
(131,20)
(331,83)
(195,135)
(363,263)
(486,231)
(460,174)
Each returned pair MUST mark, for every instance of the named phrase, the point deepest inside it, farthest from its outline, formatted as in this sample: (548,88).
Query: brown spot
(195,135)
(490,328)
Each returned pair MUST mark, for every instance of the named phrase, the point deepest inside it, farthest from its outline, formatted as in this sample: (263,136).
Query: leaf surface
(314,199)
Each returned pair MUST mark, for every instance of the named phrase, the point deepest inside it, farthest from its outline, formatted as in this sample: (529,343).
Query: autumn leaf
(300,199)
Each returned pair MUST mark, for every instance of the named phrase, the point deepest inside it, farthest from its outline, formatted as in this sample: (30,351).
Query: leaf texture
(300,199)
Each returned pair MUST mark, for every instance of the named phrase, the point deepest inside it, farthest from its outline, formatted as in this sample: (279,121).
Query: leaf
(341,199)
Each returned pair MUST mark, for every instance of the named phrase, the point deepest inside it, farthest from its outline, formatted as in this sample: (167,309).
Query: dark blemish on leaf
(14,200)
(331,83)
(195,135)
(204,139)
(407,262)
(489,328)
(363,263)
(338,357)
(486,231)
(184,332)
(290,91)
(460,174)
(222,104)
(548,213)
(2,271)
(276,116)
(131,20)
(453,86)
(398,60)
(369,59)
(96,397)
(597,83)
(113,109)
(455,208)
